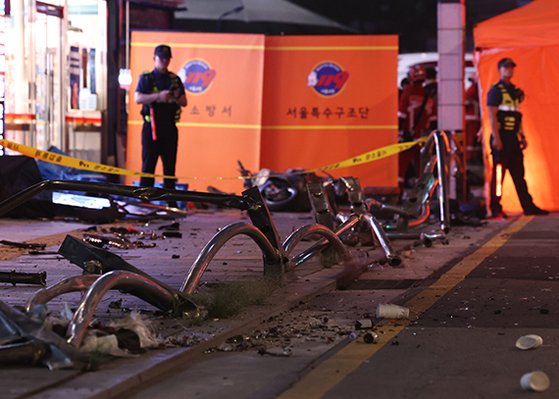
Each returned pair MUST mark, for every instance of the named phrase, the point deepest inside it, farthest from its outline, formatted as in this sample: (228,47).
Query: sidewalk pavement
(239,260)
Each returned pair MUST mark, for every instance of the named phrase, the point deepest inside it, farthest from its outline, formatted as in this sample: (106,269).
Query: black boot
(535,211)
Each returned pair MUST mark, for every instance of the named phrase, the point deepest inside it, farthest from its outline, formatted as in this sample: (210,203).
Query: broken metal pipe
(314,249)
(132,283)
(316,229)
(14,278)
(142,193)
(69,284)
(378,232)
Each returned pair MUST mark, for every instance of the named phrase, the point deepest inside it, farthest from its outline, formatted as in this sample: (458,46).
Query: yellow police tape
(77,163)
(371,156)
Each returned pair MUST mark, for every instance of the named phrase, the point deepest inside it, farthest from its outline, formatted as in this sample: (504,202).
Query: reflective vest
(176,82)
(508,114)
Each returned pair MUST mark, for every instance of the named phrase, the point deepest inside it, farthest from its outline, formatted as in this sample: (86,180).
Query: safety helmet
(416,72)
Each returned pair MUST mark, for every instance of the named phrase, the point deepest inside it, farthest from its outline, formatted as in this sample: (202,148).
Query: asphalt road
(462,343)
(466,314)
(469,301)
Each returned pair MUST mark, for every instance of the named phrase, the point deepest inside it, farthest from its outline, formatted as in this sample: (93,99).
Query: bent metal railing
(324,243)
(64,286)
(315,229)
(118,274)
(416,209)
(359,219)
(133,283)
(270,253)
(272,256)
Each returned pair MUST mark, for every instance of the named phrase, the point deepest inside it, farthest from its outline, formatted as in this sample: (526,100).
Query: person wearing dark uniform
(508,140)
(411,125)
(162,95)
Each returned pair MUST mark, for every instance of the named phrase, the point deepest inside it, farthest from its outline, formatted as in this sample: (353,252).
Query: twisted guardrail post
(376,229)
(64,286)
(319,246)
(315,229)
(442,152)
(136,284)
(271,254)
(261,218)
(359,207)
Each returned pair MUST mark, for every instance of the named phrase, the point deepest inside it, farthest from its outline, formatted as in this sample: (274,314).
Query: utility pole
(115,118)
(451,48)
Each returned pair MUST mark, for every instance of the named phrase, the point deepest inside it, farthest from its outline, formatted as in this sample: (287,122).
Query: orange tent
(530,36)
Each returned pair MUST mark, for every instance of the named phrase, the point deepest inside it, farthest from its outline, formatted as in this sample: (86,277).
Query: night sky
(415,21)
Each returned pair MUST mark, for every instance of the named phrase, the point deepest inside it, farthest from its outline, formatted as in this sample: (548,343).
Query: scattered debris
(276,351)
(35,252)
(530,341)
(27,341)
(172,226)
(172,234)
(101,241)
(66,313)
(536,381)
(14,278)
(141,244)
(370,337)
(391,311)
(363,324)
(116,304)
(107,344)
(181,340)
(141,327)
(23,245)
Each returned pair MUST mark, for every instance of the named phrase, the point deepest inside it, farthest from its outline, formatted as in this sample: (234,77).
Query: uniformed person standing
(162,95)
(508,140)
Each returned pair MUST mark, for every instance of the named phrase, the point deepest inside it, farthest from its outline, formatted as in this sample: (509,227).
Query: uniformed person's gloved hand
(497,143)
(523,142)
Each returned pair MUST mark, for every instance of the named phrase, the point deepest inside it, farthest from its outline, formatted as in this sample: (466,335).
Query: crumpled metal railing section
(106,271)
(435,160)
(64,286)
(359,221)
(435,165)
(133,283)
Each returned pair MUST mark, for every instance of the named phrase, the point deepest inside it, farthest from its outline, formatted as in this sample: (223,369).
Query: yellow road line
(204,45)
(333,370)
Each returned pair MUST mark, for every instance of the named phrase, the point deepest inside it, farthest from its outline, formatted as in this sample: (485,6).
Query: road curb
(124,375)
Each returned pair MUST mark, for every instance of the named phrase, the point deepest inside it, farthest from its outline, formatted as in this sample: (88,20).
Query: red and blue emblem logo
(197,76)
(327,79)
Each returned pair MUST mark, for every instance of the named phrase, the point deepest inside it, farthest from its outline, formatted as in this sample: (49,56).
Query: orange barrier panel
(530,36)
(327,98)
(222,120)
(349,108)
